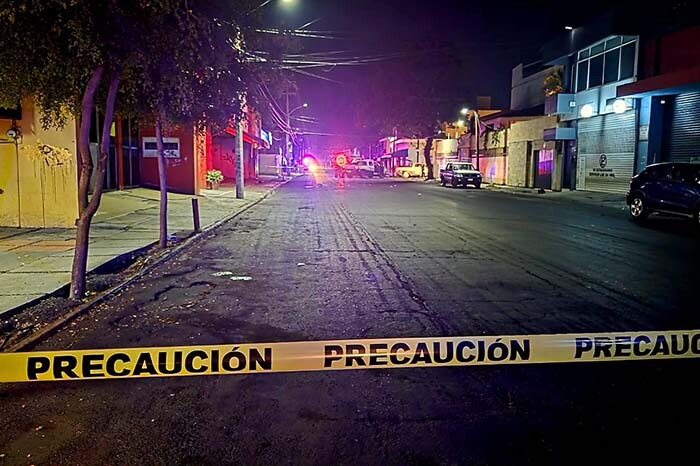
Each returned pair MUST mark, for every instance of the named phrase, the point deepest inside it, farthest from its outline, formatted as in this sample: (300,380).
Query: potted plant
(553,83)
(214,178)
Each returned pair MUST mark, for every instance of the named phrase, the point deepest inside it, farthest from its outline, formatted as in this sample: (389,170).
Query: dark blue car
(671,188)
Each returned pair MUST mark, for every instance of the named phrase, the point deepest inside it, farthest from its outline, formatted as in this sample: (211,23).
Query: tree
(198,82)
(76,53)
(428,159)
(72,55)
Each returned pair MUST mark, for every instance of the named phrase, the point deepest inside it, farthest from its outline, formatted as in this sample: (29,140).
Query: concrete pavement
(37,262)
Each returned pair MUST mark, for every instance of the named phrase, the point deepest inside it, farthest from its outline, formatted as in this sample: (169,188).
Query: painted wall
(519,159)
(223,157)
(38,190)
(181,173)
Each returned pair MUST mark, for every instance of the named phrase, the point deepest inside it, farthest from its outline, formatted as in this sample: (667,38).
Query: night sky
(462,48)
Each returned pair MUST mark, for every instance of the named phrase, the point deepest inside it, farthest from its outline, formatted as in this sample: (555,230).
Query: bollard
(195,214)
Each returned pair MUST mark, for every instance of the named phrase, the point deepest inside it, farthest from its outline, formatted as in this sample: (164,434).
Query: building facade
(38,171)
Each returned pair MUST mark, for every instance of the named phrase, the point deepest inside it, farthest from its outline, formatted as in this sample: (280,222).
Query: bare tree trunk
(88,208)
(162,178)
(428,159)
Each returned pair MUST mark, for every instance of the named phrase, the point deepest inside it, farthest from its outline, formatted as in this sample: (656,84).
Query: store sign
(171,147)
(601,169)
(644,132)
(266,136)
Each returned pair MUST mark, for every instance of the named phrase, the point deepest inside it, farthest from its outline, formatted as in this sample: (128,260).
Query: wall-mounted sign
(171,147)
(643,132)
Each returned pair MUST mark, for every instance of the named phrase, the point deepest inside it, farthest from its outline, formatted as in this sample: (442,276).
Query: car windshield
(462,166)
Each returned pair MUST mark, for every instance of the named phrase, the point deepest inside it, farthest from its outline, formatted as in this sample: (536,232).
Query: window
(689,174)
(582,79)
(612,43)
(606,62)
(612,66)
(627,60)
(595,73)
(596,49)
(659,171)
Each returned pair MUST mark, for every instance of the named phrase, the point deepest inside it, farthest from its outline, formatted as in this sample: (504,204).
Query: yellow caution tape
(345,354)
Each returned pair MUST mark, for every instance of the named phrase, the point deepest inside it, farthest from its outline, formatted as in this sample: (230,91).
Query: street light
(286,2)
(304,105)
(464,111)
(460,123)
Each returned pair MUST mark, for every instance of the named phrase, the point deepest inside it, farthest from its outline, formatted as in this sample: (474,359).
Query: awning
(249,138)
(679,82)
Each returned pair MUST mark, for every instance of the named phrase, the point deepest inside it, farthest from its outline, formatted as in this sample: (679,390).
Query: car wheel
(405,175)
(638,208)
(454,183)
(442,182)
(477,185)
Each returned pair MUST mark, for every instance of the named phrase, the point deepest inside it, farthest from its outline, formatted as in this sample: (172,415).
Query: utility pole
(239,159)
(286,133)
(478,134)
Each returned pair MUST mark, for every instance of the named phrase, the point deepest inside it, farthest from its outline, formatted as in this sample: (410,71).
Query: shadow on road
(672,225)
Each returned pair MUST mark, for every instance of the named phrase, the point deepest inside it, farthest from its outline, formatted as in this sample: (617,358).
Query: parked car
(413,170)
(366,168)
(671,188)
(460,174)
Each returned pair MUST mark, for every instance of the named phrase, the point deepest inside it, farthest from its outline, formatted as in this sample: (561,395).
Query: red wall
(674,52)
(223,157)
(180,172)
(680,50)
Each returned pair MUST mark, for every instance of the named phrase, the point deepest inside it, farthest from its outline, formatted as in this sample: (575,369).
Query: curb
(614,204)
(32,340)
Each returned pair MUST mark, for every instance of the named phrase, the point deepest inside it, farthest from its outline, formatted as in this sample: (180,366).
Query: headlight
(458,175)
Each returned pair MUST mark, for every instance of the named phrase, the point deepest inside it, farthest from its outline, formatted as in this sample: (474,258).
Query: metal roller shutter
(606,146)
(684,141)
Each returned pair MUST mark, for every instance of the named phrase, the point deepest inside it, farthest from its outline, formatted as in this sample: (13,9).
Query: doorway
(543,160)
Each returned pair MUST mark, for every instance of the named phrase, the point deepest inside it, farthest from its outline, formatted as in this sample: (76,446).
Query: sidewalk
(37,262)
(614,201)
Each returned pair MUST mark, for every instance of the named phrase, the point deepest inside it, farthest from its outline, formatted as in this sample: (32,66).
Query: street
(386,258)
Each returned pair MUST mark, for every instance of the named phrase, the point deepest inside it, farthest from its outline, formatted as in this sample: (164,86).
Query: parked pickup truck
(460,174)
(415,169)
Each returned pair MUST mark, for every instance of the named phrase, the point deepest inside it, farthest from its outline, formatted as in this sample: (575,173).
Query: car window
(659,171)
(689,174)
(676,173)
(448,167)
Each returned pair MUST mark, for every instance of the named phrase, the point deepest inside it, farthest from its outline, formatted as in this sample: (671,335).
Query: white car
(415,169)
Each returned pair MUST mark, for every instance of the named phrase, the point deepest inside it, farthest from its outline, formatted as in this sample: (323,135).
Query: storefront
(682,130)
(606,150)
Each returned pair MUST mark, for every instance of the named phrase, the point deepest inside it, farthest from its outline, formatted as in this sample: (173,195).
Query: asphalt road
(386,258)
